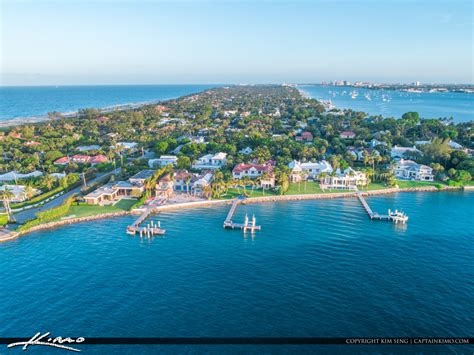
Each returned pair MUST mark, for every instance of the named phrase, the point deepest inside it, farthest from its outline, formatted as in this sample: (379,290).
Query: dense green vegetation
(408,184)
(264,118)
(3,219)
(49,215)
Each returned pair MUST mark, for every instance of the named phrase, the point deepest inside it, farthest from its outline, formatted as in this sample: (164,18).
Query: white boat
(397,216)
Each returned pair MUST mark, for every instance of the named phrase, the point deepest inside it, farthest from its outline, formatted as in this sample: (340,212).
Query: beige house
(164,187)
(112,192)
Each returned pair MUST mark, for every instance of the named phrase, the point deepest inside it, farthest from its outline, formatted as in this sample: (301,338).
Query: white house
(210,161)
(250,170)
(375,142)
(348,179)
(129,146)
(455,145)
(410,170)
(404,152)
(201,181)
(139,178)
(246,151)
(163,161)
(18,192)
(451,144)
(13,175)
(58,175)
(86,148)
(307,170)
(358,153)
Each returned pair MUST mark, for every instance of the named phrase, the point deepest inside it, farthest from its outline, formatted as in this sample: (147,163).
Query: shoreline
(12,235)
(19,121)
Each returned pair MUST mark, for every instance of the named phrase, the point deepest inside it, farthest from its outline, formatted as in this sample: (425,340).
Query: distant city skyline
(52,42)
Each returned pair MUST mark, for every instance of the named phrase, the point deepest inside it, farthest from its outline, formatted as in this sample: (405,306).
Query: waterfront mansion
(211,161)
(111,192)
(410,170)
(348,179)
(303,171)
(190,183)
(252,171)
(404,152)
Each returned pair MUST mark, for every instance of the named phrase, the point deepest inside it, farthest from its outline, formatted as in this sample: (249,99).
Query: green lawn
(125,204)
(374,186)
(85,210)
(3,219)
(469,183)
(233,193)
(300,189)
(407,183)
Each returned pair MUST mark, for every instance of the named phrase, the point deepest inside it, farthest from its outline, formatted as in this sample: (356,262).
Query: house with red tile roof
(98,159)
(347,135)
(250,170)
(62,161)
(82,159)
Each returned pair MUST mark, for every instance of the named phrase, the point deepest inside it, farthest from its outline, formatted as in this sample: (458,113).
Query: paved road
(28,214)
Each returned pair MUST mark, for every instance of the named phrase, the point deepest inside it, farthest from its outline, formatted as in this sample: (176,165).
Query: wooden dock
(228,221)
(150,229)
(246,226)
(395,217)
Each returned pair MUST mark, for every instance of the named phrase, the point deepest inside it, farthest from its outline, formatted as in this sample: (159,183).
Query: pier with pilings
(151,229)
(393,216)
(248,225)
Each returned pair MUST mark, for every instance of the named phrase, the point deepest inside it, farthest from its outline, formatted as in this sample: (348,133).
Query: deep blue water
(16,102)
(39,100)
(392,103)
(317,268)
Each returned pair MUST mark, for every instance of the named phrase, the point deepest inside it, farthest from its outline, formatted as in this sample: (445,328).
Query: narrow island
(228,145)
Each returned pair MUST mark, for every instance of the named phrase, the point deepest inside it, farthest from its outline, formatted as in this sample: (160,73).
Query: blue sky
(145,41)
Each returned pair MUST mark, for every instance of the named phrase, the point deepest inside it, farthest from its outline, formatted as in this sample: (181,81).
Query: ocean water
(393,103)
(21,102)
(317,268)
(36,101)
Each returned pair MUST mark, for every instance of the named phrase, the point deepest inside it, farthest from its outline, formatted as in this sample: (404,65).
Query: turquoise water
(39,100)
(317,268)
(392,103)
(18,102)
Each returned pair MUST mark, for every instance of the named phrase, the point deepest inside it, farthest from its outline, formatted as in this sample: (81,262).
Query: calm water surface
(317,268)
(39,100)
(393,103)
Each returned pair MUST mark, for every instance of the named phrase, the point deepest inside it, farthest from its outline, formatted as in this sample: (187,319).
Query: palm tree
(251,183)
(322,177)
(149,184)
(304,177)
(188,181)
(7,195)
(351,174)
(29,191)
(49,181)
(206,191)
(365,155)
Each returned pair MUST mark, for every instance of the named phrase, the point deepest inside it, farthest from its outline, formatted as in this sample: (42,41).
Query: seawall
(251,200)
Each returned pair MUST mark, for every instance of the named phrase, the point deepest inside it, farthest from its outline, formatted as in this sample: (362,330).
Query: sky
(46,42)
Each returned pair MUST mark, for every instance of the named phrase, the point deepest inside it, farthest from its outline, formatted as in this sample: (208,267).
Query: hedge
(49,215)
